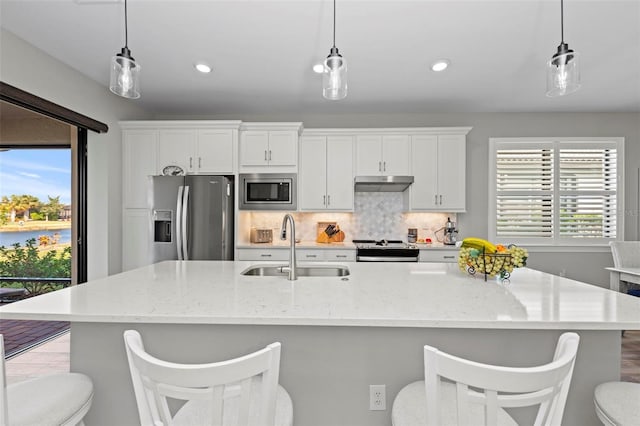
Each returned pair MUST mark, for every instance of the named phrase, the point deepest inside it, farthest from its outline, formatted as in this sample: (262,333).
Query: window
(565,191)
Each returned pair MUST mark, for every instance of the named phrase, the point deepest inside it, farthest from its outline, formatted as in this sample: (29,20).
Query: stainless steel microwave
(268,191)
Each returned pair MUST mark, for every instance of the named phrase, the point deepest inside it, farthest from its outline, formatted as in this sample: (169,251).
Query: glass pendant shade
(125,75)
(563,73)
(334,77)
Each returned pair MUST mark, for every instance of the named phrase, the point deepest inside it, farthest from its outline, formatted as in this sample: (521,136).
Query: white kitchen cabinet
(267,146)
(262,254)
(136,238)
(438,167)
(216,150)
(385,155)
(139,162)
(197,150)
(176,148)
(439,255)
(302,254)
(335,255)
(325,177)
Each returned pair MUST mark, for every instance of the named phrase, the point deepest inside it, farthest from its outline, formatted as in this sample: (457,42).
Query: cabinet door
(283,148)
(395,155)
(254,147)
(368,152)
(340,255)
(339,172)
(312,194)
(139,161)
(135,239)
(215,151)
(177,147)
(424,167)
(451,172)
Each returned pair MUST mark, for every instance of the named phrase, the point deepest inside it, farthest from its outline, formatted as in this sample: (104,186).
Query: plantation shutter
(587,192)
(524,192)
(562,192)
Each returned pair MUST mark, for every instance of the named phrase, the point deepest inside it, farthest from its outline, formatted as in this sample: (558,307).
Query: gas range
(385,251)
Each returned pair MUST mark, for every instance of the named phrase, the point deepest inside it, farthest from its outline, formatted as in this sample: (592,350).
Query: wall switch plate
(377,397)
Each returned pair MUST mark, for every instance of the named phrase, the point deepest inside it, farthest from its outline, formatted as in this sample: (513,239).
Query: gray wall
(28,68)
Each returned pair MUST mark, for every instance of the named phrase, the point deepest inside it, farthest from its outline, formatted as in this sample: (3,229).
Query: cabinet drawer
(310,255)
(449,256)
(262,254)
(340,255)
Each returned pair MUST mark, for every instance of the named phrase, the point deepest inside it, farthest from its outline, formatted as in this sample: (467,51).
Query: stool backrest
(210,385)
(4,414)
(625,254)
(496,386)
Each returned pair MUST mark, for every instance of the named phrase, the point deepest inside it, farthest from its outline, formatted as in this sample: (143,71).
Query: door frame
(83,124)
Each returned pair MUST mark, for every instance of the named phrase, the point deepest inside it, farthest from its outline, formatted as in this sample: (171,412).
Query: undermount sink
(302,271)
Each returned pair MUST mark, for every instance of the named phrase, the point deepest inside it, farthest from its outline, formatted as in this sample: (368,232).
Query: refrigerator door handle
(179,222)
(185,211)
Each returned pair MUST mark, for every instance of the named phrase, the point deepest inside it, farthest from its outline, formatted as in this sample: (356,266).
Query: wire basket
(501,263)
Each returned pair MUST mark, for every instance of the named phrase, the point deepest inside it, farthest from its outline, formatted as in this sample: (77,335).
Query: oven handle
(385,259)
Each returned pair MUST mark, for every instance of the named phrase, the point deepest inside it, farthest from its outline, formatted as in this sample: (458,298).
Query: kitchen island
(338,334)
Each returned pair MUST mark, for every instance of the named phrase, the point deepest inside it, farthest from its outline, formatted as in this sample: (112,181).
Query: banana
(479,243)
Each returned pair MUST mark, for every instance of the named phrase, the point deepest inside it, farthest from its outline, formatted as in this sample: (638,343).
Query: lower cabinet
(303,255)
(430,255)
(135,242)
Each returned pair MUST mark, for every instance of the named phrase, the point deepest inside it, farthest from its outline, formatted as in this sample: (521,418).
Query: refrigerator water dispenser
(162,226)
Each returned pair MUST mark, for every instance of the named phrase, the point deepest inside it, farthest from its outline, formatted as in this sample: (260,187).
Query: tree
(52,208)
(19,204)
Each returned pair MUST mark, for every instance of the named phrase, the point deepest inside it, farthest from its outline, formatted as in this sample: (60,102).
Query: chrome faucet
(293,274)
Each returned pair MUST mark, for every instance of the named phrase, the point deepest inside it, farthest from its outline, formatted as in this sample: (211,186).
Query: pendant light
(563,75)
(124,69)
(334,77)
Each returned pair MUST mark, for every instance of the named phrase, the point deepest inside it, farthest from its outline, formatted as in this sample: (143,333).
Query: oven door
(387,255)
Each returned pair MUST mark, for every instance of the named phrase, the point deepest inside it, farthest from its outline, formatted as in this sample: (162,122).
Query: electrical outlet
(377,397)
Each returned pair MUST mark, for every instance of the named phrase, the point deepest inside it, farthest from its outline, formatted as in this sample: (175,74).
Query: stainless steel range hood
(382,183)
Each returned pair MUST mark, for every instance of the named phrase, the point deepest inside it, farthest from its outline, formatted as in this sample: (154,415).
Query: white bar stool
(55,400)
(457,391)
(618,403)
(237,392)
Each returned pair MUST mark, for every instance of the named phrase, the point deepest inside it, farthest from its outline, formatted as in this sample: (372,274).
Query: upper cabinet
(198,147)
(325,179)
(438,163)
(269,147)
(385,155)
(205,147)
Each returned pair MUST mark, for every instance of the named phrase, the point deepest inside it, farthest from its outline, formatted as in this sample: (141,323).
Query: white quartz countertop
(375,294)
(304,244)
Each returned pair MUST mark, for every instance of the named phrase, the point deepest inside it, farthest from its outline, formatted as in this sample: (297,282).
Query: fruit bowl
(480,256)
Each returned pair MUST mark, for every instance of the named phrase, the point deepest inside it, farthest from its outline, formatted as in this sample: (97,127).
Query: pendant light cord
(561,21)
(334,23)
(126,35)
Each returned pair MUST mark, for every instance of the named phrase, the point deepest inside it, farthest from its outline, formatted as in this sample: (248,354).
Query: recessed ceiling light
(318,68)
(203,68)
(440,65)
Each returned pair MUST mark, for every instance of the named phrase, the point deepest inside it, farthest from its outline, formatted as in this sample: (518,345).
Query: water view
(7,239)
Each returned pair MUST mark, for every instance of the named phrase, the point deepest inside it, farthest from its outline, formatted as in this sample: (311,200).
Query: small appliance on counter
(261,235)
(450,233)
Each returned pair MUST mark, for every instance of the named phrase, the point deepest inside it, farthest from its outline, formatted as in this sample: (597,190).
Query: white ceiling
(262,52)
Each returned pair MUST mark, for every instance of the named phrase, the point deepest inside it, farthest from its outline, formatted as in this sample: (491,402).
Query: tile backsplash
(376,215)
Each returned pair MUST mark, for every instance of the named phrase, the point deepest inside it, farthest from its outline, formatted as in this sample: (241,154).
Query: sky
(38,172)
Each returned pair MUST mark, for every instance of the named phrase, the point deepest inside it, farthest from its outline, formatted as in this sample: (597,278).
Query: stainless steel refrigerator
(191,217)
